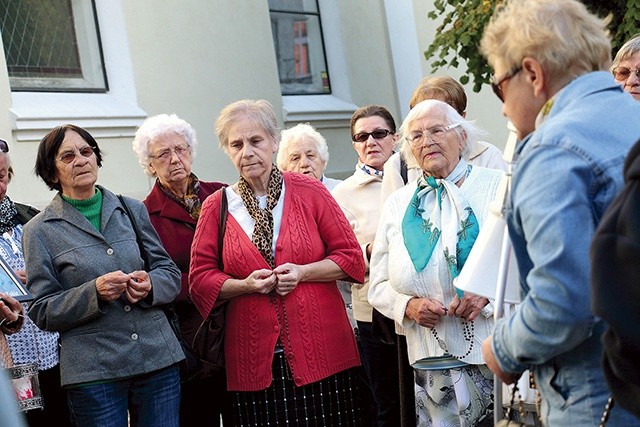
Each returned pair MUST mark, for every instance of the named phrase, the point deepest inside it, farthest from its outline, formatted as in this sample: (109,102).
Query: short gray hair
(628,49)
(260,111)
(294,134)
(155,126)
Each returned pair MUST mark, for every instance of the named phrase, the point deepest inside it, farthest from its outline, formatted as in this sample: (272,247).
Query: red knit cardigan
(317,336)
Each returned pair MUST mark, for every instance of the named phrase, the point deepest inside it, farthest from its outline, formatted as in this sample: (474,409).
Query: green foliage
(460,31)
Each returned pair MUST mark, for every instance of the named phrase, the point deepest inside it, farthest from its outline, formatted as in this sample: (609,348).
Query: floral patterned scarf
(439,211)
(190,201)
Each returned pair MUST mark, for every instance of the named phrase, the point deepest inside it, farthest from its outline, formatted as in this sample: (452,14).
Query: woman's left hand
(289,275)
(468,307)
(138,287)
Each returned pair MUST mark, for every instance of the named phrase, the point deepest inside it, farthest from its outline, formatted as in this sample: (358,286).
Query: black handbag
(191,365)
(208,340)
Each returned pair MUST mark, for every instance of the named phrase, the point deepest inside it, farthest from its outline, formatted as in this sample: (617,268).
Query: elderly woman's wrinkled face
(438,150)
(171,159)
(4,175)
(303,157)
(626,73)
(373,152)
(77,177)
(250,148)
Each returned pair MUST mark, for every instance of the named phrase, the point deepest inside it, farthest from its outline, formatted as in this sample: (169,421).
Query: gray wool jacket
(100,340)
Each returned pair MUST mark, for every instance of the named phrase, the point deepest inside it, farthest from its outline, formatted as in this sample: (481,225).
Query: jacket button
(109,251)
(134,336)
(276,329)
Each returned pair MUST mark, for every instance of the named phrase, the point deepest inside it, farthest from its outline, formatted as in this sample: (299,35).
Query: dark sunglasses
(497,85)
(376,134)
(4,147)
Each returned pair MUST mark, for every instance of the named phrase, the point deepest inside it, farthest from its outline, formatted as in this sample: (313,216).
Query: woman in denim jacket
(576,126)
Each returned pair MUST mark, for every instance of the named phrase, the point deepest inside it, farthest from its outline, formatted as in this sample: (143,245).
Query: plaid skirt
(331,401)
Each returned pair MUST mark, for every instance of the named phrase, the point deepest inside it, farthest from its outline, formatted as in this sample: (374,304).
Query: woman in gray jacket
(119,356)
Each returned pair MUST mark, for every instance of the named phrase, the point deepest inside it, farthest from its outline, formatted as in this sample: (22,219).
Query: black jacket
(25,212)
(615,282)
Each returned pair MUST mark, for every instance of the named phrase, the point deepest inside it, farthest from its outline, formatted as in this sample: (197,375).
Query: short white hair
(467,130)
(155,126)
(294,134)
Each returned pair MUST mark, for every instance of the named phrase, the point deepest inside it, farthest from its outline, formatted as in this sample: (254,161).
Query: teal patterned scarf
(439,211)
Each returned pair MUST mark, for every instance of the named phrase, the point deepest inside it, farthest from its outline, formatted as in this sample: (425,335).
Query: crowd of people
(305,262)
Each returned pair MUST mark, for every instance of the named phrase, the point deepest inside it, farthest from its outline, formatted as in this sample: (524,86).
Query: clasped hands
(427,311)
(283,279)
(135,285)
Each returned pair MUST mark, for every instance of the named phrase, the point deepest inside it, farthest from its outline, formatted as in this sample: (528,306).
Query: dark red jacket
(175,227)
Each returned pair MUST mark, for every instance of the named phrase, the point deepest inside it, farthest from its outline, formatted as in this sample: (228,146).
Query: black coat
(615,281)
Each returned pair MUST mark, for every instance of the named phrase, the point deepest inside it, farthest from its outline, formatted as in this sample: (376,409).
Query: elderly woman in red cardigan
(289,346)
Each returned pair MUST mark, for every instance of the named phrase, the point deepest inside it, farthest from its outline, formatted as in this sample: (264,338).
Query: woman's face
(630,84)
(250,148)
(4,175)
(373,152)
(303,157)
(78,177)
(170,160)
(436,158)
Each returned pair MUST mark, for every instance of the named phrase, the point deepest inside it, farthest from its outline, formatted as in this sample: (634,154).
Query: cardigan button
(109,251)
(276,328)
(127,308)
(134,336)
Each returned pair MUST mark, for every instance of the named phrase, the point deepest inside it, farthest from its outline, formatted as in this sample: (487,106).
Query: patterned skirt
(454,397)
(332,401)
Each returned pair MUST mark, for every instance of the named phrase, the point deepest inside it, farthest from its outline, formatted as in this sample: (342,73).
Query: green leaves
(462,23)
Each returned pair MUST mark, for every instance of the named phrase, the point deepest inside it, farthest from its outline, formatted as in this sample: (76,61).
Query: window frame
(114,113)
(90,57)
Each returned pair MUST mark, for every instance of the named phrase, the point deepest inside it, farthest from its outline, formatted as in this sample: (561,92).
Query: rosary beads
(468,331)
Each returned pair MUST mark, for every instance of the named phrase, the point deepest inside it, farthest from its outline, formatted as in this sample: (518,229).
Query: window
(52,45)
(297,37)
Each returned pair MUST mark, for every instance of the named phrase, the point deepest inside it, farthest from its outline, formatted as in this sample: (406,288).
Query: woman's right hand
(425,311)
(261,281)
(11,313)
(111,285)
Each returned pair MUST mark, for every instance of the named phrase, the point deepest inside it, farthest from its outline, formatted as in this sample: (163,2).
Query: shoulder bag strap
(134,225)
(222,224)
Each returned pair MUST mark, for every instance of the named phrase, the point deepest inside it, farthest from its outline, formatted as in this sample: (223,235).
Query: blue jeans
(147,400)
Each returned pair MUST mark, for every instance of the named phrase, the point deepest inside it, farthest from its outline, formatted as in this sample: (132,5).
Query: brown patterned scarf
(263,230)
(190,201)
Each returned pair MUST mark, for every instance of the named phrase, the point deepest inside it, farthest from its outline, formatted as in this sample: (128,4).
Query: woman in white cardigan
(425,233)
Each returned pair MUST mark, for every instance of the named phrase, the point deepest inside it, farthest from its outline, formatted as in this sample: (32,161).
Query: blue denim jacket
(567,173)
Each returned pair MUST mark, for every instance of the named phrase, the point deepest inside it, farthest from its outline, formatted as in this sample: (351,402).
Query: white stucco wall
(193,57)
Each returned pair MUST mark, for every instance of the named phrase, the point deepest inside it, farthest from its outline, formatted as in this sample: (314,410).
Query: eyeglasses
(623,73)
(4,147)
(164,155)
(69,156)
(376,134)
(497,85)
(435,134)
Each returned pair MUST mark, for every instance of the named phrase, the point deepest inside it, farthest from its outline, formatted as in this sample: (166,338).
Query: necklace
(468,330)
